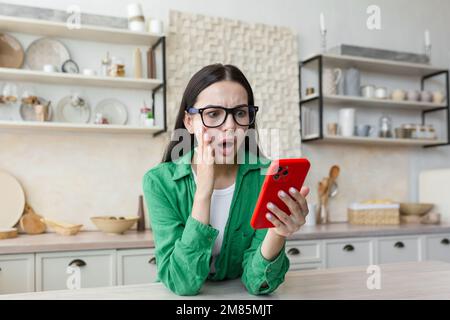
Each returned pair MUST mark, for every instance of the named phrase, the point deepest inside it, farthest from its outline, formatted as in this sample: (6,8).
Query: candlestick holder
(428,52)
(323,41)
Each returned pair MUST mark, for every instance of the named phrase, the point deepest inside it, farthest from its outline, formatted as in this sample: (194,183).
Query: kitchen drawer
(303,251)
(16,273)
(438,247)
(344,253)
(305,266)
(97,269)
(391,250)
(136,266)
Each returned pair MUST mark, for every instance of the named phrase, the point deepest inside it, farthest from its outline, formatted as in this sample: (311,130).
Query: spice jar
(117,67)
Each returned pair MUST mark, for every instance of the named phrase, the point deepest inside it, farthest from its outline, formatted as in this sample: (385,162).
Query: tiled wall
(268,56)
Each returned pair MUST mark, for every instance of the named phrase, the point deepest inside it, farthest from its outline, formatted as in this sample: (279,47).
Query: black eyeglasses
(215,116)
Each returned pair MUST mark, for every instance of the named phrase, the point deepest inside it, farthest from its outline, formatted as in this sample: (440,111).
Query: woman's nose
(229,122)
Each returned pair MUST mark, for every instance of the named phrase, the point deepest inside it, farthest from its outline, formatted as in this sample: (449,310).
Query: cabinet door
(351,252)
(391,250)
(69,270)
(16,273)
(136,266)
(303,251)
(438,247)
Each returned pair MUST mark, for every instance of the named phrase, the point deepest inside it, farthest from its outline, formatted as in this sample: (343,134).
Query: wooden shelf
(379,65)
(61,78)
(86,32)
(376,103)
(78,128)
(374,141)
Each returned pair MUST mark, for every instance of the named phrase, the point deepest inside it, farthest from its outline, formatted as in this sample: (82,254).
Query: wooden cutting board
(434,186)
(12,200)
(8,233)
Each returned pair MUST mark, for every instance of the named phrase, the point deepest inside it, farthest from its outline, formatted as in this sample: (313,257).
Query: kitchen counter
(414,280)
(94,240)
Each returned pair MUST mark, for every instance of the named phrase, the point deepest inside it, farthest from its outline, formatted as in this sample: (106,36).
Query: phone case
(281,175)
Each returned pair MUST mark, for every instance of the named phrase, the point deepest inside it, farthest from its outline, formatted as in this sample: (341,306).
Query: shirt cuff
(199,235)
(269,269)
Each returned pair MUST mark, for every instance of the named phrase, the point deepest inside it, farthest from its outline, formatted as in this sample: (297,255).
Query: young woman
(201,203)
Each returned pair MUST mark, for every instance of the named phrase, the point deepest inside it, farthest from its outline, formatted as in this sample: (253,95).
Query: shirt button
(209,238)
(269,270)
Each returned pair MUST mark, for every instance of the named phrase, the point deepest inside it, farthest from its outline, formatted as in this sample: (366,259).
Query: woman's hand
(205,178)
(285,224)
(205,164)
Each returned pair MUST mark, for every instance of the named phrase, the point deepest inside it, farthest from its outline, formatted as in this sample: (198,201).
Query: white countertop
(95,240)
(414,280)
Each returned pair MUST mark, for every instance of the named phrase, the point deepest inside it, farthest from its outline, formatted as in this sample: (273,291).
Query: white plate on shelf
(46,51)
(113,110)
(27,111)
(66,112)
(12,200)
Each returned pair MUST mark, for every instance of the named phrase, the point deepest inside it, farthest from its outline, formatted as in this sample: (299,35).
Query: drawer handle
(78,263)
(445,241)
(152,260)
(348,248)
(399,245)
(293,252)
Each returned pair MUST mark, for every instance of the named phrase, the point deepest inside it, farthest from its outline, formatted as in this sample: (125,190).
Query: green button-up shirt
(184,245)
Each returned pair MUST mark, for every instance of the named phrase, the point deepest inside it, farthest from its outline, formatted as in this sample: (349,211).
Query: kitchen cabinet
(136,266)
(399,249)
(97,268)
(303,251)
(349,252)
(16,273)
(437,247)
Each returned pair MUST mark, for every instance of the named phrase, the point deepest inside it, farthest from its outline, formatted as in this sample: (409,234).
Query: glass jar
(117,67)
(385,127)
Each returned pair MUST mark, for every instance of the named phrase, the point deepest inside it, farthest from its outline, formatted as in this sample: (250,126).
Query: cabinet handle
(77,262)
(399,245)
(445,241)
(152,260)
(348,248)
(293,252)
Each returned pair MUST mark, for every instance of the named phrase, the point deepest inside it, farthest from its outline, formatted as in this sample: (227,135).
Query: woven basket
(374,214)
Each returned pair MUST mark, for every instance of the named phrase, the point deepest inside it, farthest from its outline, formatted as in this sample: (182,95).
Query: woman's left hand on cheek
(284,223)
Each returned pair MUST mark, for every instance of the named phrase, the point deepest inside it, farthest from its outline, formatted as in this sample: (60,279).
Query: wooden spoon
(333,175)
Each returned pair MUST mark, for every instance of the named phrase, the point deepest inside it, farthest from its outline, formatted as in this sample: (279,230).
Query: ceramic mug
(368,91)
(381,93)
(331,79)
(49,68)
(438,97)
(363,130)
(398,95)
(426,96)
(413,95)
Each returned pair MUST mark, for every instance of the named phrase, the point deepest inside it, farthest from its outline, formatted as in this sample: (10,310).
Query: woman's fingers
(300,200)
(293,206)
(288,222)
(277,223)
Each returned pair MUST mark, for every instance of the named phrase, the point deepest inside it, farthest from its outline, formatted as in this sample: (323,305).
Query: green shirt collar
(252,162)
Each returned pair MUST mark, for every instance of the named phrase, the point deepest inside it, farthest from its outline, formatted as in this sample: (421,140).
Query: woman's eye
(212,114)
(241,113)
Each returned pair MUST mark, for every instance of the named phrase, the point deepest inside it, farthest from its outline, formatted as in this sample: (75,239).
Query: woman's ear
(188,122)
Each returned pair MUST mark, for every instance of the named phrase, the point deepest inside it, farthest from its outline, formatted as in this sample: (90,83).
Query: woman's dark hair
(201,80)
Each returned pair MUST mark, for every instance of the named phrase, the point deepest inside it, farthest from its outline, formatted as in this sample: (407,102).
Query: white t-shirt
(219,212)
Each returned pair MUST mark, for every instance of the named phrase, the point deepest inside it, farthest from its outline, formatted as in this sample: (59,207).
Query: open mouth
(226,147)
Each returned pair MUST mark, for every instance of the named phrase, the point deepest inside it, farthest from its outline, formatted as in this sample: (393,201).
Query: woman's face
(229,136)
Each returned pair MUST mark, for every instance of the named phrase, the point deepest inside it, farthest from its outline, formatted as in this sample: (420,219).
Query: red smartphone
(282,174)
